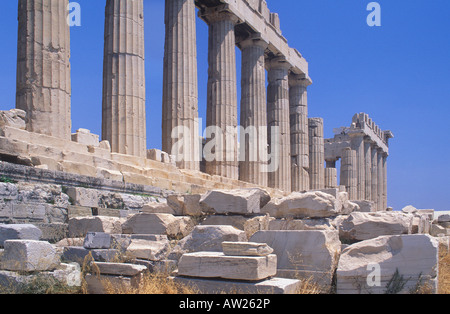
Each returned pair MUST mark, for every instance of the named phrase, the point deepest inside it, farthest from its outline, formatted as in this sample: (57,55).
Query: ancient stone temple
(363,149)
(277,146)
(247,207)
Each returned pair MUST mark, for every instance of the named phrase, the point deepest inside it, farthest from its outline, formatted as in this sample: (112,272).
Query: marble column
(298,109)
(374,175)
(123,121)
(278,116)
(331,178)
(222,113)
(380,180)
(368,169)
(316,154)
(385,176)
(357,144)
(180,85)
(349,173)
(253,143)
(43,81)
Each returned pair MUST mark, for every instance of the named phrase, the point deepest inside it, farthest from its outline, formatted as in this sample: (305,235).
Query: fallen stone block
(268,286)
(77,254)
(97,240)
(148,250)
(188,204)
(438,231)
(165,224)
(301,224)
(19,232)
(80,226)
(248,224)
(402,263)
(246,249)
(224,202)
(365,206)
(53,232)
(218,265)
(120,269)
(207,238)
(364,226)
(304,205)
(29,256)
(15,118)
(17,283)
(304,254)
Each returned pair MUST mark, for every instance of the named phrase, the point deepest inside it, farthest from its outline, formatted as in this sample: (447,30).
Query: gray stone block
(29,256)
(97,240)
(19,232)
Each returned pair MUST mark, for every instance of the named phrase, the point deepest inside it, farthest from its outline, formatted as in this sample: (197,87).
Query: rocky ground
(221,241)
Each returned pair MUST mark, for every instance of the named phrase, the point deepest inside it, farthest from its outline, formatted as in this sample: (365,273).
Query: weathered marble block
(97,240)
(29,256)
(307,254)
(148,250)
(84,136)
(218,265)
(19,232)
(303,205)
(246,249)
(165,224)
(364,226)
(80,226)
(415,257)
(244,201)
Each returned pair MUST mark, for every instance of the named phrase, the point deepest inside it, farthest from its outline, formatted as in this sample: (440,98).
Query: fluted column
(43,67)
(349,173)
(380,180)
(180,89)
(298,107)
(253,141)
(374,175)
(331,178)
(368,169)
(385,176)
(316,154)
(357,144)
(222,92)
(123,123)
(278,116)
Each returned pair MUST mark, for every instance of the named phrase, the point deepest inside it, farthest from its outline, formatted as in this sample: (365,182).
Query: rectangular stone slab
(246,249)
(213,286)
(218,265)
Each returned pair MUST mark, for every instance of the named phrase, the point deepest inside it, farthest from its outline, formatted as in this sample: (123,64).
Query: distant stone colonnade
(44,88)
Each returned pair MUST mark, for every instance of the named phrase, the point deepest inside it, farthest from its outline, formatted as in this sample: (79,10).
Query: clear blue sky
(398,73)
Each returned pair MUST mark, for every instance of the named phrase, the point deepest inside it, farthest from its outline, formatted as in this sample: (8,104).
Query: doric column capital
(278,63)
(253,40)
(299,80)
(217,14)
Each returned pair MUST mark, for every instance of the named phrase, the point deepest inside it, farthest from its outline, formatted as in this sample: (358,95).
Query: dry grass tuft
(156,283)
(444,270)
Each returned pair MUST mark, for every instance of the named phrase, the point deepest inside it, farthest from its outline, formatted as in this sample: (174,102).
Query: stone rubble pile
(234,240)
(242,267)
